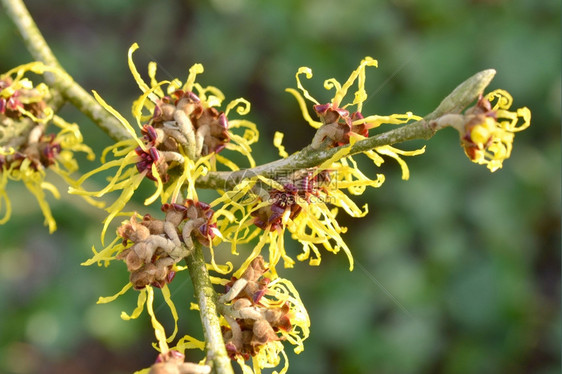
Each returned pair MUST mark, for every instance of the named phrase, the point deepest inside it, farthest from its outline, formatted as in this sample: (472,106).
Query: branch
(206,298)
(460,98)
(62,82)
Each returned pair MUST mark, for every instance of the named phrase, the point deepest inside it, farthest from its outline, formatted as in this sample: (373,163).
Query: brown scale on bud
(255,270)
(262,333)
(201,212)
(148,259)
(157,274)
(157,245)
(279,318)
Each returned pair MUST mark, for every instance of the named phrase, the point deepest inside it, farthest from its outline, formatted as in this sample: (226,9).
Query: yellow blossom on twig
(260,310)
(179,130)
(26,150)
(339,125)
(489,129)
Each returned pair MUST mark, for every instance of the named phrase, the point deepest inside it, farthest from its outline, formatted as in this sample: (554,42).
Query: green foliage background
(472,260)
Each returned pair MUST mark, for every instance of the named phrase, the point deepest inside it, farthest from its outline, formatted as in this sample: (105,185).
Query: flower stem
(460,98)
(206,299)
(62,81)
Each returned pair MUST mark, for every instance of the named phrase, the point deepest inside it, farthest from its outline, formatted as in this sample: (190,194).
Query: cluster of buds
(159,244)
(252,325)
(283,206)
(180,125)
(181,118)
(480,131)
(41,151)
(337,125)
(13,102)
(298,186)
(172,362)
(23,113)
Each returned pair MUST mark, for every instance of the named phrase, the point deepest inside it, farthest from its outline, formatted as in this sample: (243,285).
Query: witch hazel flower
(299,205)
(341,123)
(151,249)
(33,140)
(181,132)
(306,202)
(489,129)
(260,311)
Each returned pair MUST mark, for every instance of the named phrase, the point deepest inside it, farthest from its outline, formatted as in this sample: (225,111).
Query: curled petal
(141,83)
(360,96)
(120,203)
(375,121)
(210,96)
(308,74)
(277,142)
(141,301)
(332,83)
(242,106)
(121,119)
(188,342)
(503,99)
(159,186)
(105,300)
(304,108)
(193,71)
(107,254)
(4,199)
(140,103)
(393,152)
(37,187)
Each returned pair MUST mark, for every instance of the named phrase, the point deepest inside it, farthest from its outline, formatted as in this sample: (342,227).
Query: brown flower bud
(263,333)
(241,303)
(131,258)
(255,270)
(133,231)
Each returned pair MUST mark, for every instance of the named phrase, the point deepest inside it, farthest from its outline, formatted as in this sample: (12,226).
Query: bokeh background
(458,269)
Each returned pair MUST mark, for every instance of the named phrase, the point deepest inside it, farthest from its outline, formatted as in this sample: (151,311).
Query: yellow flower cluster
(487,137)
(306,202)
(26,150)
(259,311)
(181,129)
(182,132)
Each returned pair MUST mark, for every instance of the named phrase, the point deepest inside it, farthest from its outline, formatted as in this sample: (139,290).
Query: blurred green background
(471,259)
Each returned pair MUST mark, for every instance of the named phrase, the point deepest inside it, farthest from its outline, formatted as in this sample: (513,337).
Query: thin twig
(460,98)
(206,299)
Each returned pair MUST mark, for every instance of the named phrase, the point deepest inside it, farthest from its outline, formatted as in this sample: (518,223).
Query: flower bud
(488,133)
